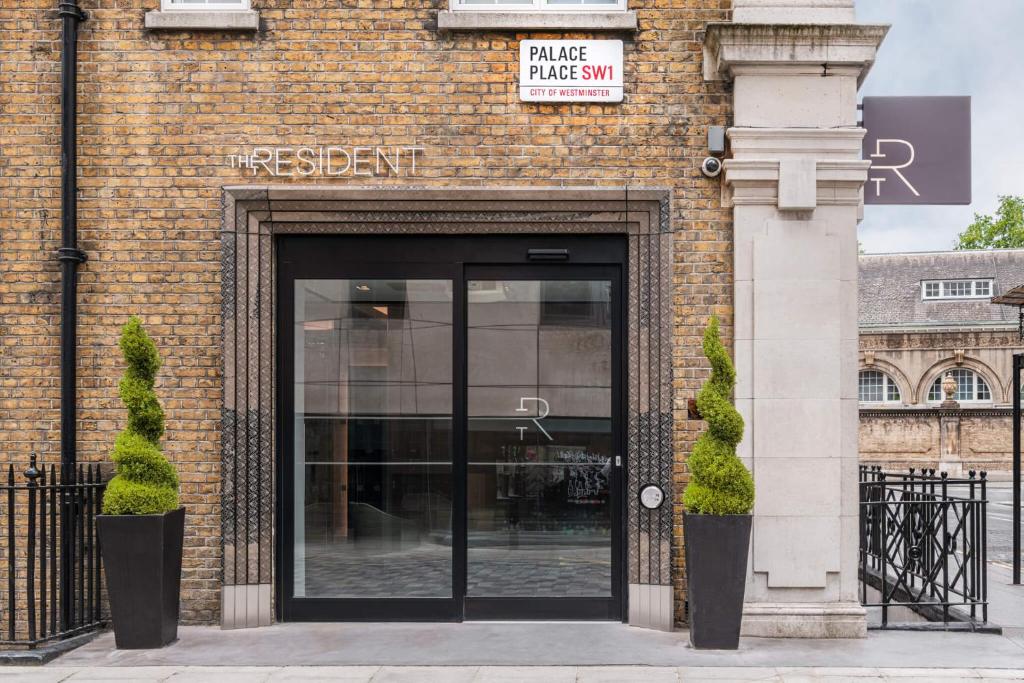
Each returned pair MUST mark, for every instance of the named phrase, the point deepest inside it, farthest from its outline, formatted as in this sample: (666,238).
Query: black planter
(716,572)
(142,561)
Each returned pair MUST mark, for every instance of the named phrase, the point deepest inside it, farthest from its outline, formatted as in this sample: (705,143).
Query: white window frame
(974,282)
(177,6)
(535,6)
(887,381)
(974,394)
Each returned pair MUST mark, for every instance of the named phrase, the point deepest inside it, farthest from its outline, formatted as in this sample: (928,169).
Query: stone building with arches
(924,316)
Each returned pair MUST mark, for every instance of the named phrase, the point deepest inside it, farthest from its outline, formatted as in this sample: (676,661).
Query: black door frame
(441,257)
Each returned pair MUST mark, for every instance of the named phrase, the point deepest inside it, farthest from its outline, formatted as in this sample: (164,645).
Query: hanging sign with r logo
(919,149)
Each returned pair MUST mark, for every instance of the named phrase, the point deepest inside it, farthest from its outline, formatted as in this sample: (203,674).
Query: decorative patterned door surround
(253,215)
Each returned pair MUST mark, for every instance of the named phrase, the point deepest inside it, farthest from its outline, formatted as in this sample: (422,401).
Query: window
(877,387)
(538,5)
(970,386)
(181,5)
(956,289)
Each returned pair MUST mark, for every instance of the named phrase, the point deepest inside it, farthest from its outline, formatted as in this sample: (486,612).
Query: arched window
(875,386)
(970,386)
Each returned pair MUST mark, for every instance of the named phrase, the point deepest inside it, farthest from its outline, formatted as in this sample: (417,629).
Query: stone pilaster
(795,178)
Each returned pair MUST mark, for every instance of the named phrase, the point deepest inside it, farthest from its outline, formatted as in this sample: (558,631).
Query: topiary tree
(719,483)
(145,482)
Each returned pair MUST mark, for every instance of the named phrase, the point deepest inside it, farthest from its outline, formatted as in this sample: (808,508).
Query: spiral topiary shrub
(719,483)
(145,482)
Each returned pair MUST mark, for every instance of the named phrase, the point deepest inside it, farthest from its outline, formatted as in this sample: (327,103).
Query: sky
(951,47)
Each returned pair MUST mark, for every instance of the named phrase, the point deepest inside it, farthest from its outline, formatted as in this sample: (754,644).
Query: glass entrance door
(450,432)
(541,443)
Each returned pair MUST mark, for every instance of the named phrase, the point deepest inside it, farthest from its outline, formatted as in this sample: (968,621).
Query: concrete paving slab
(1005,600)
(315,674)
(34,674)
(854,671)
(627,674)
(728,673)
(148,673)
(1001,674)
(425,674)
(541,644)
(526,674)
(910,672)
(221,674)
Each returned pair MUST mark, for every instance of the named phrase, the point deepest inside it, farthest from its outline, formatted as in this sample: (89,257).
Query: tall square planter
(142,562)
(716,574)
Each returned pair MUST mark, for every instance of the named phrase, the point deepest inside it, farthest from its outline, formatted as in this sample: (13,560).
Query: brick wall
(159,113)
(978,439)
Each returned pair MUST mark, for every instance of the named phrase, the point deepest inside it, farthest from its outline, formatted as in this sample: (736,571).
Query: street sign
(919,148)
(570,70)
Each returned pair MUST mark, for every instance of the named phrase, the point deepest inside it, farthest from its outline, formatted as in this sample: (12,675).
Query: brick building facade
(161,111)
(180,226)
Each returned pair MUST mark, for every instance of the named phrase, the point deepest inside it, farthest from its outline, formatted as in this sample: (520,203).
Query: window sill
(467,20)
(203,20)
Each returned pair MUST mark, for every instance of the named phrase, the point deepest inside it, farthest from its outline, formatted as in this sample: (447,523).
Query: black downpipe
(69,256)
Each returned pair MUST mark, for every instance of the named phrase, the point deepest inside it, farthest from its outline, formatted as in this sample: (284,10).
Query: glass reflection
(373,438)
(540,438)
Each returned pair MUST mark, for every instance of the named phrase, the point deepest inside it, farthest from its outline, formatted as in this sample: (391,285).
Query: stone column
(795,178)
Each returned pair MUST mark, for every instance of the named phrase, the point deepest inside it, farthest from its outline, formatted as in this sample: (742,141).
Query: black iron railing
(50,586)
(922,544)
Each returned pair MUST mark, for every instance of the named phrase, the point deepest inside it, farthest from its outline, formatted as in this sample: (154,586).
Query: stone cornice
(777,143)
(910,411)
(755,171)
(728,46)
(937,328)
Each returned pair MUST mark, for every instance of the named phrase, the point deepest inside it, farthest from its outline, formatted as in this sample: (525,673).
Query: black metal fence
(923,544)
(50,585)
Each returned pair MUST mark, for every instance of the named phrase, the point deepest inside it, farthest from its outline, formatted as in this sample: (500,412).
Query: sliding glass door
(450,432)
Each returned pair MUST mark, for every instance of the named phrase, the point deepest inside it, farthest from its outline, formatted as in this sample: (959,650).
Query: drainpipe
(69,256)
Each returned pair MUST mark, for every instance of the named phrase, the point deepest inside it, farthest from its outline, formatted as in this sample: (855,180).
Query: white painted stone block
(766,101)
(798,184)
(797,309)
(745,450)
(850,364)
(797,552)
(793,368)
(793,11)
(796,250)
(797,487)
(796,428)
(743,359)
(849,417)
(849,475)
(848,327)
(743,302)
(849,585)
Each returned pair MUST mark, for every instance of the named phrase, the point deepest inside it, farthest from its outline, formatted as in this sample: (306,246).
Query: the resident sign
(570,70)
(331,162)
(919,149)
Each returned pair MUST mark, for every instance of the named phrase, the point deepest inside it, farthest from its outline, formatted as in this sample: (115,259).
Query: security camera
(711,167)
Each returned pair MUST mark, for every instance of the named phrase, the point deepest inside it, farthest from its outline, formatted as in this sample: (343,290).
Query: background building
(923,315)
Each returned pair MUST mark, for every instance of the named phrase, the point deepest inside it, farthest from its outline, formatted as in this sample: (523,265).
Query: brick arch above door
(254,214)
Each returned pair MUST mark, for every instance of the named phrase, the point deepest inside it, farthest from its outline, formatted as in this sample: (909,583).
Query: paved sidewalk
(496,674)
(541,644)
(558,652)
